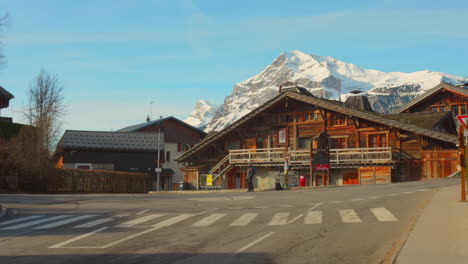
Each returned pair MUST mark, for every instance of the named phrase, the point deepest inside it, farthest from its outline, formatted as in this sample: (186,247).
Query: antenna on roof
(151,109)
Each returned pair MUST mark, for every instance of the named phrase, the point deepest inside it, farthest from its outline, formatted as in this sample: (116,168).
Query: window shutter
(179,147)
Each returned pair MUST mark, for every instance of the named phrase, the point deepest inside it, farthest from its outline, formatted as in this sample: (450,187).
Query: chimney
(148,119)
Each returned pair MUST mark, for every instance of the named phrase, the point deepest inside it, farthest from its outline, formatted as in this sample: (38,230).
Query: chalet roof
(5,97)
(136,128)
(327,104)
(358,102)
(430,92)
(104,140)
(428,120)
(292,86)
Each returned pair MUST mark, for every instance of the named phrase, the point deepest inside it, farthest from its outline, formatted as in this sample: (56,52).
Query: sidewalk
(441,232)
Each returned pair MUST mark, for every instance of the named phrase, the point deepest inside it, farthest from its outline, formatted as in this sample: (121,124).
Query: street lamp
(158,169)
(462,153)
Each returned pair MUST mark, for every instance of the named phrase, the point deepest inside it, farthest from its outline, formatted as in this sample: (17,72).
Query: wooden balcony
(338,157)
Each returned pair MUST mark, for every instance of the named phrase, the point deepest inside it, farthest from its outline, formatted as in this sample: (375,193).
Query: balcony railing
(350,156)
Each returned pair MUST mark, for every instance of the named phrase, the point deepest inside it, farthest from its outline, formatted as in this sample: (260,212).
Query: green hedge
(9,130)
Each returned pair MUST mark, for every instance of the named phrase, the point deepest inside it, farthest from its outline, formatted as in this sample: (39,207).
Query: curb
(395,250)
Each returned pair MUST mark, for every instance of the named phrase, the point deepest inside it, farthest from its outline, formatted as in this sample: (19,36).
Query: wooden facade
(364,147)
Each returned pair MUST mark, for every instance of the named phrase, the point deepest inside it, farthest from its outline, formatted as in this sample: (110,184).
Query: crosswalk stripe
(174,220)
(313,217)
(349,216)
(40,221)
(64,222)
(21,219)
(244,219)
(209,220)
(383,215)
(94,223)
(279,219)
(140,220)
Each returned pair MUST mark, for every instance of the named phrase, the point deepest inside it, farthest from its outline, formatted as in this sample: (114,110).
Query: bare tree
(45,111)
(4,22)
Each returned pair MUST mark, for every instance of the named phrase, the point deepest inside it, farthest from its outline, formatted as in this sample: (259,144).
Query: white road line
(314,217)
(394,194)
(235,208)
(422,190)
(255,242)
(357,199)
(315,206)
(64,222)
(209,220)
(260,207)
(78,238)
(349,216)
(140,220)
(285,206)
(244,219)
(336,202)
(374,197)
(279,219)
(40,221)
(383,215)
(142,212)
(295,218)
(174,220)
(95,223)
(408,192)
(21,219)
(120,215)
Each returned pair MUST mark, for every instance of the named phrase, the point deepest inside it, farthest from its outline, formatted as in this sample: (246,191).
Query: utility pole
(462,156)
(158,169)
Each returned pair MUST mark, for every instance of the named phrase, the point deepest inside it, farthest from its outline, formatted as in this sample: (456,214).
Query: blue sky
(114,57)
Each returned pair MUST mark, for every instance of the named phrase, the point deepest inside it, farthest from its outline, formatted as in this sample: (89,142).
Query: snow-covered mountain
(202,114)
(324,77)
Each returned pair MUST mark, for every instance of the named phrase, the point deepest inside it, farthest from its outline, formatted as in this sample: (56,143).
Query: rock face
(202,114)
(324,77)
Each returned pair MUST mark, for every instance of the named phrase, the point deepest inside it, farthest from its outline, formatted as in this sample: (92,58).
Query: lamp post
(158,169)
(462,154)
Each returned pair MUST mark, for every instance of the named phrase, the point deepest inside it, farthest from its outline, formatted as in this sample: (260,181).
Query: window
(337,120)
(168,156)
(338,143)
(83,166)
(315,116)
(233,144)
(377,140)
(434,109)
(459,109)
(282,136)
(260,142)
(304,143)
(185,147)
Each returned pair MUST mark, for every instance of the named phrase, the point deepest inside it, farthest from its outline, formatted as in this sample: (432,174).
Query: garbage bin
(181,185)
(302,181)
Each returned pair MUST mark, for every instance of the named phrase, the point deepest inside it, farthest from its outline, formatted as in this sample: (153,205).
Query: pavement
(441,232)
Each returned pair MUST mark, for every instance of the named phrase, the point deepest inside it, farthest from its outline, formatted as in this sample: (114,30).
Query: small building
(113,151)
(286,133)
(178,138)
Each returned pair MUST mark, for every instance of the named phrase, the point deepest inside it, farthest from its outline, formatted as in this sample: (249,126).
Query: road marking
(255,242)
(314,217)
(235,208)
(422,190)
(64,222)
(374,197)
(35,222)
(286,206)
(294,219)
(394,194)
(59,245)
(95,223)
(260,207)
(174,220)
(408,192)
(244,219)
(21,219)
(279,219)
(142,212)
(383,215)
(209,220)
(349,216)
(120,215)
(357,199)
(315,206)
(140,220)
(336,202)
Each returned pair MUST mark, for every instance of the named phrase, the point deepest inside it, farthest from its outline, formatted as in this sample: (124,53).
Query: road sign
(209,180)
(158,170)
(463,120)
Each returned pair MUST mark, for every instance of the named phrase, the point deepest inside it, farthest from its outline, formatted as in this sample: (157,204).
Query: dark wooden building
(5,98)
(113,151)
(363,147)
(178,137)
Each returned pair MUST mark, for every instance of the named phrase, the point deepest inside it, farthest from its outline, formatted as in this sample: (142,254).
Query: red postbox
(302,180)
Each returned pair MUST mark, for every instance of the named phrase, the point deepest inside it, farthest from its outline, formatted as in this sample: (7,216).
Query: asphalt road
(353,224)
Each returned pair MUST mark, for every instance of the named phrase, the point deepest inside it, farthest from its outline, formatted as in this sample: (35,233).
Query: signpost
(209,180)
(462,153)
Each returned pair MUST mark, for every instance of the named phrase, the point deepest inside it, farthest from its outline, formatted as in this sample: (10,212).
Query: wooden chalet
(363,147)
(443,97)
(5,98)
